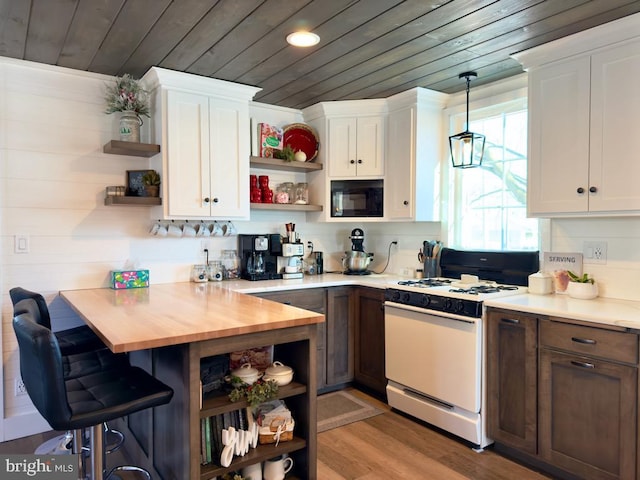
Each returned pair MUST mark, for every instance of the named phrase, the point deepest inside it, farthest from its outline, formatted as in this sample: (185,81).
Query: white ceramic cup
(254,472)
(188,230)
(277,468)
(203,230)
(174,230)
(229,229)
(216,230)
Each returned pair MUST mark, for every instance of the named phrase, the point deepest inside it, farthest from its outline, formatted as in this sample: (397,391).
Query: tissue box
(121,279)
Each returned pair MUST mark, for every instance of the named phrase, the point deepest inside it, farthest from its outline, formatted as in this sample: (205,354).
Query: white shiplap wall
(52,180)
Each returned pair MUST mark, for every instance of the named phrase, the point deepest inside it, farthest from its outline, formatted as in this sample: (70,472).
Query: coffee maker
(259,256)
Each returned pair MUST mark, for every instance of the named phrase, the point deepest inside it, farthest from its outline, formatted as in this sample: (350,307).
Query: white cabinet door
(342,147)
(615,115)
(229,150)
(370,146)
(400,179)
(558,179)
(208,156)
(356,146)
(188,168)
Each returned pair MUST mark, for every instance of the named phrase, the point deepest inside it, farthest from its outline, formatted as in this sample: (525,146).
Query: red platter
(299,136)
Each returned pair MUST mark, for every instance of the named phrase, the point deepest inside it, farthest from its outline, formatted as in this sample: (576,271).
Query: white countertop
(607,311)
(311,281)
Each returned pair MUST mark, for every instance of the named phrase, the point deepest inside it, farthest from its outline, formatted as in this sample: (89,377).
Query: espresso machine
(290,262)
(259,256)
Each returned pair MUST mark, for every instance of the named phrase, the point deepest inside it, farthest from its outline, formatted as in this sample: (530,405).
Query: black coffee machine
(259,256)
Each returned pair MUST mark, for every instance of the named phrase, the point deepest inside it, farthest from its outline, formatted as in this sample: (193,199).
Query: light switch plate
(21,244)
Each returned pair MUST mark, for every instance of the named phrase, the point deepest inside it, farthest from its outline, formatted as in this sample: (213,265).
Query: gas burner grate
(426,282)
(483,289)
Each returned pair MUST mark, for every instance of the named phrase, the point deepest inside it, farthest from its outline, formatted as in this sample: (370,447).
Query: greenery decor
(584,278)
(259,392)
(151,178)
(126,94)
(287,154)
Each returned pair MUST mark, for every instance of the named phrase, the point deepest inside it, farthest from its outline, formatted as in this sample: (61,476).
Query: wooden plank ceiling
(368,48)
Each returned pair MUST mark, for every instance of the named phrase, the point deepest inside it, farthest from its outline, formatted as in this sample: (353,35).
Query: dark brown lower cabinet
(579,419)
(512,371)
(340,335)
(369,340)
(588,415)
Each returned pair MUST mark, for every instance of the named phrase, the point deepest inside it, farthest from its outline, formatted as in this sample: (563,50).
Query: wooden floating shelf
(286,206)
(134,149)
(277,164)
(135,201)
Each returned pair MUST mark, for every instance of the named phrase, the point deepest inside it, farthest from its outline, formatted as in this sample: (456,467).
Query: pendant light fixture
(467,147)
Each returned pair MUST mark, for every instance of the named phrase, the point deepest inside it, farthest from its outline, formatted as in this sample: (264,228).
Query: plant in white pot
(582,286)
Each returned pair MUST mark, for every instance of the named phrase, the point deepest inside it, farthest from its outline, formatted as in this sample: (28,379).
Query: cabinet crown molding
(157,76)
(347,108)
(418,95)
(624,29)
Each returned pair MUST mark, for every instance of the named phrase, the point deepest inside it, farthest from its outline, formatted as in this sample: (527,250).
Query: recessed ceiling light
(303,39)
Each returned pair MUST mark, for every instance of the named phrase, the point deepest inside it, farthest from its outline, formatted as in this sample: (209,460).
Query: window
(489,203)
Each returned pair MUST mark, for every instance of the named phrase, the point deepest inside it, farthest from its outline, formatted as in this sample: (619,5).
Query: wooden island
(167,330)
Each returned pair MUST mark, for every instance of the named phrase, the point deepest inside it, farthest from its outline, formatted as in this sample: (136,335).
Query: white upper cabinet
(203,127)
(356,146)
(352,135)
(414,141)
(583,104)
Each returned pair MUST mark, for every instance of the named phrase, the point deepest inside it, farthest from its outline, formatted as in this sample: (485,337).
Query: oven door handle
(435,313)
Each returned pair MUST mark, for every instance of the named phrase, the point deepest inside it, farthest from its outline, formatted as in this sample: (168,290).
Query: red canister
(267,195)
(263,181)
(255,195)
(253,181)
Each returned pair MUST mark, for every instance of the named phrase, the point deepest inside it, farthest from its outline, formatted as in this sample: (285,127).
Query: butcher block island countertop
(168,330)
(171,314)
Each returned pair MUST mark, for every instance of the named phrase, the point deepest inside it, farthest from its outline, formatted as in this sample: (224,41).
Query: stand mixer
(357,260)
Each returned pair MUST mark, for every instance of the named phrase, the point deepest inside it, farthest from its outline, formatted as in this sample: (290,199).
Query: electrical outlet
(20,388)
(594,252)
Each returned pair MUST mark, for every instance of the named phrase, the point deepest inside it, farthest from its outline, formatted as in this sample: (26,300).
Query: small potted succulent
(581,286)
(151,182)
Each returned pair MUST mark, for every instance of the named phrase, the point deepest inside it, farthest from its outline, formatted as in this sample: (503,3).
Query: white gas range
(434,344)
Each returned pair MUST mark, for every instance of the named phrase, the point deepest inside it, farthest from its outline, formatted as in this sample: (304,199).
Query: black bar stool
(86,401)
(82,353)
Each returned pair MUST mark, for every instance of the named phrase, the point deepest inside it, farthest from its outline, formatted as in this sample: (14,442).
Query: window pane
(490,212)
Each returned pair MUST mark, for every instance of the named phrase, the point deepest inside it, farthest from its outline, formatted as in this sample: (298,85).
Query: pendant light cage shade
(467,148)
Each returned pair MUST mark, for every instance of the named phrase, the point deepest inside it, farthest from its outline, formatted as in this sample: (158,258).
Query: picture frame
(135,187)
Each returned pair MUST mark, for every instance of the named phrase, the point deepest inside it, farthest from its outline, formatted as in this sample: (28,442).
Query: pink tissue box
(121,279)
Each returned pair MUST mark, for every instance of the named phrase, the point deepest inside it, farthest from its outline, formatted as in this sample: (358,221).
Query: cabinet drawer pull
(583,364)
(512,321)
(586,341)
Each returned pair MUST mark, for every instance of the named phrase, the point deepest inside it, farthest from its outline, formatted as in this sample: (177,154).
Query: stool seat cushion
(104,396)
(77,340)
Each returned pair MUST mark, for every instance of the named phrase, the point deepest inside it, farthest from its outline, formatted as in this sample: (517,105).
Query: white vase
(583,291)
(130,123)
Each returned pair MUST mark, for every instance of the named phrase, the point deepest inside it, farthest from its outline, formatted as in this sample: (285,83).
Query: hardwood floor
(393,446)
(386,446)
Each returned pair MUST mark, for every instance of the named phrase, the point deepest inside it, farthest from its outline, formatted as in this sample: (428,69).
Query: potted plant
(126,95)
(151,182)
(581,286)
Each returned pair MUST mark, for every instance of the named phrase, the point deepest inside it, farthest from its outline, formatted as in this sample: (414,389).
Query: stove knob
(395,296)
(459,306)
(406,297)
(426,300)
(448,304)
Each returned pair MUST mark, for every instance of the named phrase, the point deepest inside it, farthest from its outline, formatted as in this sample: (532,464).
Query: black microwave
(357,198)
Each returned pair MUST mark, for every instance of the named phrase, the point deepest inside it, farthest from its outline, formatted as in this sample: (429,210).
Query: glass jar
(281,195)
(199,274)
(302,193)
(290,190)
(230,262)
(216,271)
